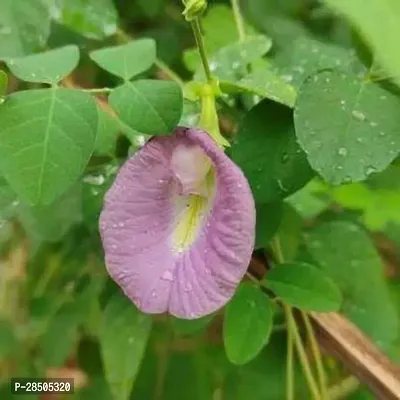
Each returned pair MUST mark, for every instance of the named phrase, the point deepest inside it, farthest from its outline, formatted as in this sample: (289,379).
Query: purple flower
(178,226)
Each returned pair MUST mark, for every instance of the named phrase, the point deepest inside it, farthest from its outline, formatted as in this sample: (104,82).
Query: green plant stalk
(289,366)
(239,20)
(317,356)
(312,385)
(343,388)
(202,48)
(294,332)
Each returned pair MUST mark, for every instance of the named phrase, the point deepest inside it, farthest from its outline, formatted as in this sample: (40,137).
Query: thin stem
(202,48)
(168,71)
(276,244)
(289,365)
(301,353)
(317,356)
(239,20)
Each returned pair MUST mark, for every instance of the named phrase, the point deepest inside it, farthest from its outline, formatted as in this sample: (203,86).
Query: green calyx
(193,9)
(208,116)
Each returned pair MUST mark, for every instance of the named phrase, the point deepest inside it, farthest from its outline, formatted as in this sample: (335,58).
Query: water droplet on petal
(167,276)
(188,287)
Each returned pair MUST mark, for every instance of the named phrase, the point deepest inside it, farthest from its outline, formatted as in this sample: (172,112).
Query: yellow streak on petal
(191,216)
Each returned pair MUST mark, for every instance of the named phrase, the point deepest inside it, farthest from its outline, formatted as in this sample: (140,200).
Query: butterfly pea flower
(178,226)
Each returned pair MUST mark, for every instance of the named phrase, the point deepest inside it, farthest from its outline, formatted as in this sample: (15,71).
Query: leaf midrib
(46,144)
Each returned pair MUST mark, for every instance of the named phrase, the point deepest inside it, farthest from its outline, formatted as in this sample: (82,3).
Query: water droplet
(239,185)
(236,65)
(339,167)
(342,152)
(383,97)
(382,134)
(167,276)
(287,78)
(121,224)
(343,102)
(370,170)
(213,65)
(358,115)
(114,246)
(373,124)
(285,157)
(5,30)
(359,140)
(94,179)
(153,293)
(188,287)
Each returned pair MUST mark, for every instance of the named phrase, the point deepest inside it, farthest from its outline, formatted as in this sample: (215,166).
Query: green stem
(317,356)
(239,20)
(289,366)
(343,388)
(202,48)
(301,353)
(277,248)
(169,72)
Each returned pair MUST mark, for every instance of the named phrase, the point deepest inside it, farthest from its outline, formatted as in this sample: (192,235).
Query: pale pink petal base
(137,222)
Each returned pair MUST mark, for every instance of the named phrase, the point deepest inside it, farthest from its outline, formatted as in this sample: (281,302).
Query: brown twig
(340,337)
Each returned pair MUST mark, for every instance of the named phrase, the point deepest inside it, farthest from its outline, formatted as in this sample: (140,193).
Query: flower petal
(172,252)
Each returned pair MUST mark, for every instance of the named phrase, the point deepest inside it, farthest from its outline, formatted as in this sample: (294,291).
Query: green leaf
(307,202)
(305,56)
(264,83)
(95,19)
(127,60)
(123,340)
(149,106)
(51,222)
(290,232)
(247,324)
(304,286)
(58,341)
(8,341)
(8,199)
(190,326)
(47,137)
(24,27)
(382,37)
(219,29)
(267,151)
(107,133)
(268,219)
(231,61)
(3,83)
(264,378)
(49,67)
(347,126)
(347,255)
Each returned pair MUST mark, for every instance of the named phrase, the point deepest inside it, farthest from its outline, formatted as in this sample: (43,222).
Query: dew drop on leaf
(342,152)
(358,115)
